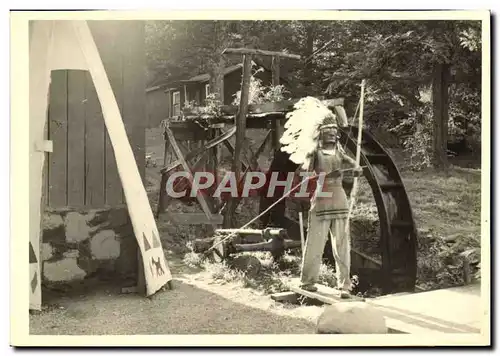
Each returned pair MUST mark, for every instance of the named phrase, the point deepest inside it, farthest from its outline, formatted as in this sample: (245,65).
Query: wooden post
(165,150)
(240,134)
(276,123)
(275,78)
(302,238)
(241,118)
(213,163)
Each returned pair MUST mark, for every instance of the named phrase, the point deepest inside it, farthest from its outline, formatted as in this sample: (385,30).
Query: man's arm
(346,158)
(352,162)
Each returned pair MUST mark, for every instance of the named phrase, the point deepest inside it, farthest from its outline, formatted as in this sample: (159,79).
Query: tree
(400,59)
(195,47)
(192,47)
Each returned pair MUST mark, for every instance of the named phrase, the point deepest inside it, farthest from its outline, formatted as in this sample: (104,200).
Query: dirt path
(192,307)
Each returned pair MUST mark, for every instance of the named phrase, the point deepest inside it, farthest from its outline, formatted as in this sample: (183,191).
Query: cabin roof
(200,78)
(205,77)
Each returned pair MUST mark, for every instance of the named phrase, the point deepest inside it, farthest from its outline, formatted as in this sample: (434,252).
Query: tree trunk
(440,101)
(308,72)
(218,61)
(217,79)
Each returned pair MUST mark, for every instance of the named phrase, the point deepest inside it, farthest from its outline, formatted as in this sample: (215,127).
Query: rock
(104,245)
(52,221)
(46,251)
(77,228)
(351,318)
(450,238)
(118,217)
(53,228)
(63,270)
(71,254)
(248,264)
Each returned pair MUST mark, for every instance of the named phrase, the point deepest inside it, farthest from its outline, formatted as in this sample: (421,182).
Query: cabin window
(207,90)
(176,103)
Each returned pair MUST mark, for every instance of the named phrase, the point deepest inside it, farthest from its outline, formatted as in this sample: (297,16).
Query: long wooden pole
(139,208)
(240,134)
(358,153)
(252,51)
(302,239)
(277,123)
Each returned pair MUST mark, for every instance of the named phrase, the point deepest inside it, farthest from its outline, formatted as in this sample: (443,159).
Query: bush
(418,139)
(259,93)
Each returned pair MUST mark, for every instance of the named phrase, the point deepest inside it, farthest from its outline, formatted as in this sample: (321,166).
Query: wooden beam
(262,145)
(277,131)
(177,150)
(323,294)
(285,297)
(251,51)
(240,133)
(271,246)
(271,231)
(210,144)
(366,257)
(230,148)
(260,114)
(203,245)
(242,114)
(162,204)
(280,106)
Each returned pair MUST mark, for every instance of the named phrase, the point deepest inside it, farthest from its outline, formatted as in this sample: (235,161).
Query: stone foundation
(81,243)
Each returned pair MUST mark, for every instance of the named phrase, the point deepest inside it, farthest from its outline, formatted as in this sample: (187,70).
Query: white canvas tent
(57,45)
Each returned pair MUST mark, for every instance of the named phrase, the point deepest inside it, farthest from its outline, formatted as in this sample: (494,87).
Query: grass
(447,210)
(272,277)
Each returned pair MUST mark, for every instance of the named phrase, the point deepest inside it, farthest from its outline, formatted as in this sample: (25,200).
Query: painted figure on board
(311,139)
(328,214)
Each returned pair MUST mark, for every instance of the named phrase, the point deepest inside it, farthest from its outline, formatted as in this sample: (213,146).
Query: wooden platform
(453,310)
(324,294)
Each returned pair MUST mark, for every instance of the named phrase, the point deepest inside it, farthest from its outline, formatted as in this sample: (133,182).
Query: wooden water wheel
(398,234)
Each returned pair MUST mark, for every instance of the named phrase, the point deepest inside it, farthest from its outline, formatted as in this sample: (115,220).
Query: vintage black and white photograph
(256,174)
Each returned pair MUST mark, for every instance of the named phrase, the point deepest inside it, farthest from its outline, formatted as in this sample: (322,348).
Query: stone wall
(83,243)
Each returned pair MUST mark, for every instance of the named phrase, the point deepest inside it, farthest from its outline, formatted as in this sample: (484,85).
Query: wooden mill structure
(398,235)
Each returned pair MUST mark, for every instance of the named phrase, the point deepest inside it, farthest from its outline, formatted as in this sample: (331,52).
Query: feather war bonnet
(301,136)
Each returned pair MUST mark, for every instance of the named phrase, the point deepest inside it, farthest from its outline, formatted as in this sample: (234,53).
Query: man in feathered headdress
(311,137)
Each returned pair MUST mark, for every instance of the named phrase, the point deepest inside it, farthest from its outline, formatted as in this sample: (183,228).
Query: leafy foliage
(212,107)
(259,93)
(417,131)
(396,58)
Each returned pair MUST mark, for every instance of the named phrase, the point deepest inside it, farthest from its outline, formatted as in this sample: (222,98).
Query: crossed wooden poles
(191,162)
